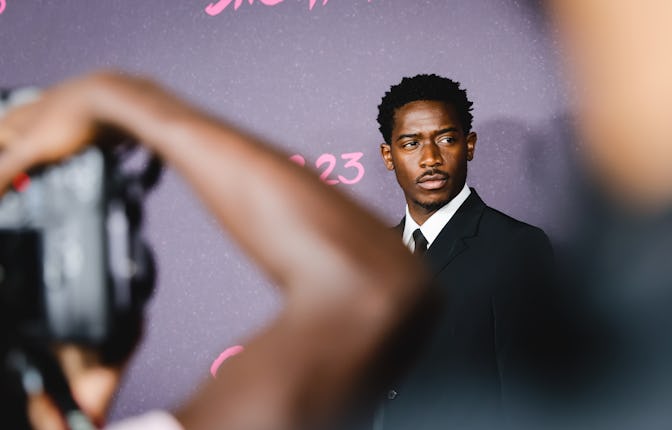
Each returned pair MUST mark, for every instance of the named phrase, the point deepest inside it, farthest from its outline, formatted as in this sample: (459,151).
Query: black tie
(420,243)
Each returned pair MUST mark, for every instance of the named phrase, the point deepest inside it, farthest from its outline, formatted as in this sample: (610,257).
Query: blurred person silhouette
(615,297)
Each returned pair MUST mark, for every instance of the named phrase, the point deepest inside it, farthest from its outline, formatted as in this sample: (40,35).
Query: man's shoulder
(516,240)
(494,219)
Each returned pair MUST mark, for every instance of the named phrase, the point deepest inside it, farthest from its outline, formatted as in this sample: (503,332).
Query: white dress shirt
(435,223)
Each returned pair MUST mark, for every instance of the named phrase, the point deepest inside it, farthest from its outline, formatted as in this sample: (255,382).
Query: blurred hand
(61,122)
(44,130)
(92,386)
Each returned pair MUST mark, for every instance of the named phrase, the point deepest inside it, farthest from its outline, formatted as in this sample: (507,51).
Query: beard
(431,206)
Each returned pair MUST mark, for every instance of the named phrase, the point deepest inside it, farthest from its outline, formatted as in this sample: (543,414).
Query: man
(349,285)
(486,265)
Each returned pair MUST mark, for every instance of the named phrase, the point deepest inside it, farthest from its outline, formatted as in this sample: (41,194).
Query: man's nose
(431,155)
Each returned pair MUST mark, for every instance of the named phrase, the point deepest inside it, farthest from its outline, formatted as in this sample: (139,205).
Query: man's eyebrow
(448,130)
(404,136)
(442,131)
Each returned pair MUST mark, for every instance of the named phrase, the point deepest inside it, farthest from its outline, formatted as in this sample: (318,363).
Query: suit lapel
(454,238)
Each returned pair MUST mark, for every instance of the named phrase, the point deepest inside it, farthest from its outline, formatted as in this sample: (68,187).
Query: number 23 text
(328,163)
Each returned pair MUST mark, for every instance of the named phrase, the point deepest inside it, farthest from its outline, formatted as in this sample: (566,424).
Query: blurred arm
(348,281)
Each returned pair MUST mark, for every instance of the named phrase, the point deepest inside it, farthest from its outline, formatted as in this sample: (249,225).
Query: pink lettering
(3,4)
(352,163)
(312,3)
(214,9)
(228,353)
(218,7)
(330,161)
(298,159)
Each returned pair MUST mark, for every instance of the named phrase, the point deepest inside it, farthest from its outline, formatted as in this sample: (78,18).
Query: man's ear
(471,145)
(386,153)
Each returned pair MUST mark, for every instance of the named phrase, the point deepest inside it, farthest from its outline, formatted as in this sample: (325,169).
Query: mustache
(432,174)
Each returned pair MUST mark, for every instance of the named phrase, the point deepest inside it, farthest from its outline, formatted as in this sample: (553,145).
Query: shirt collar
(435,223)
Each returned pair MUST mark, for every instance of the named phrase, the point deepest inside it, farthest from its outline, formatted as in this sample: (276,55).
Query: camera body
(72,262)
(54,227)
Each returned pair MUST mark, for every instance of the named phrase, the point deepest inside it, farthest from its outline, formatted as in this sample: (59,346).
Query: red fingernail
(21,182)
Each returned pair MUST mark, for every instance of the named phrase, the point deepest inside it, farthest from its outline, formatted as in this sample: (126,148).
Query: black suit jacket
(489,269)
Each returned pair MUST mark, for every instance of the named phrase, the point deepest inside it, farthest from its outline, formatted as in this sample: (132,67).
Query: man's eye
(447,139)
(410,145)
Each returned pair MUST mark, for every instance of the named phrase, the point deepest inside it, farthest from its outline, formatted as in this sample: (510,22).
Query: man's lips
(432,181)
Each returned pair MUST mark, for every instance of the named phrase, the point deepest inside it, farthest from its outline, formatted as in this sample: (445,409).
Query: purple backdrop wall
(309,80)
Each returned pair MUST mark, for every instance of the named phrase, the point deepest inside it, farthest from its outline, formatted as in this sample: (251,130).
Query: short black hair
(424,87)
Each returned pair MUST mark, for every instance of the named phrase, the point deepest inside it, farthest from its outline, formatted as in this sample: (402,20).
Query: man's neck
(434,221)
(420,214)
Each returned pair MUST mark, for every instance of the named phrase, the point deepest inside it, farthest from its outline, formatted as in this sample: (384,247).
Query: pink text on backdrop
(214,9)
(228,353)
(330,163)
(3,4)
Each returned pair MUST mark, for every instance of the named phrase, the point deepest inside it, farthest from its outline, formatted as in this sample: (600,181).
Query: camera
(73,264)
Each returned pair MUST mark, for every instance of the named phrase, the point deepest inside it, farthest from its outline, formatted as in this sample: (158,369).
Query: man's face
(428,152)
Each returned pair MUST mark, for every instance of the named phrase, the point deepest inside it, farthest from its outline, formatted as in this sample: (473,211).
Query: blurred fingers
(43,414)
